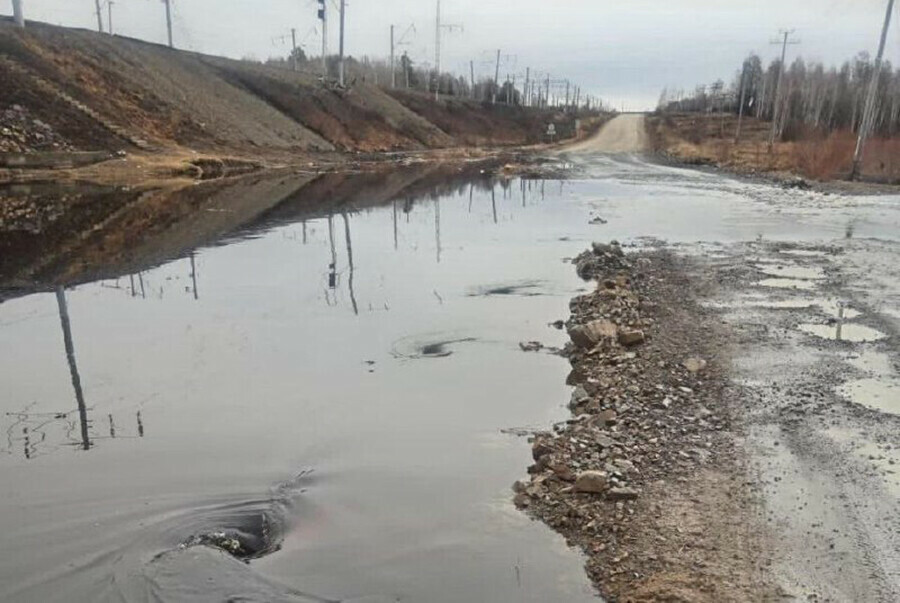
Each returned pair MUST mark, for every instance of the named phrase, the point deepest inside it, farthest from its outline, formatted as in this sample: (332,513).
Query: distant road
(622,134)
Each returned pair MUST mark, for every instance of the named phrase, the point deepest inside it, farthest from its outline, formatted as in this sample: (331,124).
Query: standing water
(329,388)
(327,396)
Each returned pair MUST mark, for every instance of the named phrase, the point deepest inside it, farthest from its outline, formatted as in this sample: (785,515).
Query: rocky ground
(20,132)
(734,431)
(646,478)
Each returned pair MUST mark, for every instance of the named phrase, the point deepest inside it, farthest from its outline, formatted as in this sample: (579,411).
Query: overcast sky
(624,51)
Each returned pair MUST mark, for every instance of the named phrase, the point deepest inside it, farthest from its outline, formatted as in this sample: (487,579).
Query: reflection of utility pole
(350,263)
(194,276)
(131,282)
(494,201)
(869,112)
(332,267)
(141,281)
(777,109)
(395,225)
(73,368)
(437,228)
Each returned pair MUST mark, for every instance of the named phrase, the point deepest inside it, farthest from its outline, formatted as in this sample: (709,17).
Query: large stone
(606,417)
(594,482)
(588,335)
(630,337)
(695,365)
(622,494)
(540,448)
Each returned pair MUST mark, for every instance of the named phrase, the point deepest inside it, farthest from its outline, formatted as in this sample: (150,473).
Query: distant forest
(812,97)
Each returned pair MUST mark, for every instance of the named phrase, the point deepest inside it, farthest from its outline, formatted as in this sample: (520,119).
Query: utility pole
(323,17)
(868,120)
(496,77)
(437,52)
(169,21)
(776,114)
(99,16)
(737,134)
(547,95)
(393,72)
(438,27)
(472,76)
(109,5)
(18,13)
(341,63)
(294,49)
(406,68)
(527,83)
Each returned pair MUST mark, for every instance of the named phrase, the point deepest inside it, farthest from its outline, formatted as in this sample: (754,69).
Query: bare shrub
(824,157)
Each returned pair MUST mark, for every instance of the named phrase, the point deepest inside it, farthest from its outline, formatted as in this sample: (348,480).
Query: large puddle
(319,376)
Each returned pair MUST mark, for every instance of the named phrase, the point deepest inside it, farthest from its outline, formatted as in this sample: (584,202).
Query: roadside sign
(551,131)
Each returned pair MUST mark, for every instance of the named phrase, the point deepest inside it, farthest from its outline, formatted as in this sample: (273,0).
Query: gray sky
(624,51)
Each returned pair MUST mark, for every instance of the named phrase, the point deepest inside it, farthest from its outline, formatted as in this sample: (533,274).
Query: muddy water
(336,388)
(333,395)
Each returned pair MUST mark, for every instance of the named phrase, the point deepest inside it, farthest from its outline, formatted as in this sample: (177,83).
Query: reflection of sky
(622,51)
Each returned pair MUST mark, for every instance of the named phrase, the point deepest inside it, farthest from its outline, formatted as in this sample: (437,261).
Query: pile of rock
(640,409)
(22,133)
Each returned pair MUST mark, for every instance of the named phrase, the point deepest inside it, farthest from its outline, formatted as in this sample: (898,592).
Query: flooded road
(334,391)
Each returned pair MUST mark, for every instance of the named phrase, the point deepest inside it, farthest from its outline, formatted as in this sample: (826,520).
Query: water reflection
(73,367)
(350,263)
(41,433)
(194,276)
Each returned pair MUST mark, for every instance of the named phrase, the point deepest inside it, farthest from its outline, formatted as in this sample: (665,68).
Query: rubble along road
(646,477)
(735,423)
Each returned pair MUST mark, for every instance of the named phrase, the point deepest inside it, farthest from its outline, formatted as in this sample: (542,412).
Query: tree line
(409,76)
(810,96)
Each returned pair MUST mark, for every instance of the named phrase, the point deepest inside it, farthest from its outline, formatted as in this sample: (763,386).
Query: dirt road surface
(623,134)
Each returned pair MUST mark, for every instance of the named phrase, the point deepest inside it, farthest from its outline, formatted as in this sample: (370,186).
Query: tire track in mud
(831,509)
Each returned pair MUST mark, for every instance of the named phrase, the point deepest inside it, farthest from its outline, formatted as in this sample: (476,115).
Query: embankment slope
(101,92)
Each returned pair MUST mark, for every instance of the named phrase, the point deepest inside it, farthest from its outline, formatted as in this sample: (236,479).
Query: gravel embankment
(646,478)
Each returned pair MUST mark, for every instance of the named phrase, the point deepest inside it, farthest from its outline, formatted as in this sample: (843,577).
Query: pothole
(793,272)
(803,253)
(878,394)
(788,283)
(850,332)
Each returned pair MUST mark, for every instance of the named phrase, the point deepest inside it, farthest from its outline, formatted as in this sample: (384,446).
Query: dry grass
(699,138)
